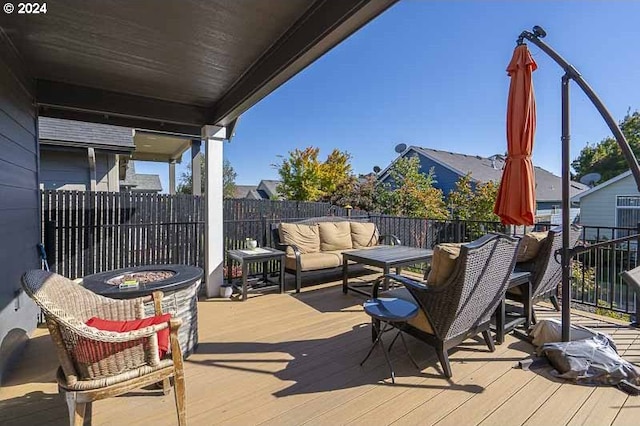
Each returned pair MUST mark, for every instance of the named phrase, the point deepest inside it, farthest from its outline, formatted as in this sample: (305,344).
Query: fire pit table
(179,284)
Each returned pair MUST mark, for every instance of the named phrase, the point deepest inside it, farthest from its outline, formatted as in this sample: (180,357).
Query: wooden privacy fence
(89,232)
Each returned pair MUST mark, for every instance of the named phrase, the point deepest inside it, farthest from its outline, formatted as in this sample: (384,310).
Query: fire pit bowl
(179,284)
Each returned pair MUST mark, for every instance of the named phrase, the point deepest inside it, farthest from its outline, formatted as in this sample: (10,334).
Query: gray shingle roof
(265,190)
(241,191)
(270,187)
(146,182)
(548,185)
(77,133)
(141,182)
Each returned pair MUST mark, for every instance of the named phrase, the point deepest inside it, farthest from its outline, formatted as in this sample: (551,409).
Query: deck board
(294,359)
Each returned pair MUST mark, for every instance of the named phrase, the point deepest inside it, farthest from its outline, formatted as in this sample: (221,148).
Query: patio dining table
(385,257)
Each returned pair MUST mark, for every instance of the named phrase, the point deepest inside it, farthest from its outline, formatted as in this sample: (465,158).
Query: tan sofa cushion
(306,237)
(314,261)
(364,234)
(420,321)
(530,245)
(335,236)
(445,257)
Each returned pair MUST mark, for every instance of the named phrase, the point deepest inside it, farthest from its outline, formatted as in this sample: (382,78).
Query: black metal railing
(596,280)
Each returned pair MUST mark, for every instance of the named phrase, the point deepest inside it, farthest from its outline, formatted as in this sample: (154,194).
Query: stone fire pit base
(180,291)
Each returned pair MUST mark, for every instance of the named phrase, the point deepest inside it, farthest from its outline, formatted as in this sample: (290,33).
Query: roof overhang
(159,147)
(177,67)
(578,197)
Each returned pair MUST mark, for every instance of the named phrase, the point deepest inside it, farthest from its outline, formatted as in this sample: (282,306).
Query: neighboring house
(136,182)
(614,203)
(246,191)
(82,156)
(265,190)
(448,167)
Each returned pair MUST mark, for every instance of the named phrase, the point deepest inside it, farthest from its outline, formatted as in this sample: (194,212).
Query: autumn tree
(467,203)
(228,180)
(409,192)
(306,178)
(605,157)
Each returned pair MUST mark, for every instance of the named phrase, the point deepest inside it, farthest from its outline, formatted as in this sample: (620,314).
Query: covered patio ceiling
(171,66)
(159,147)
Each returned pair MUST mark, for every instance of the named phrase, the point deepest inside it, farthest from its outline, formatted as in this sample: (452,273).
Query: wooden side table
(246,258)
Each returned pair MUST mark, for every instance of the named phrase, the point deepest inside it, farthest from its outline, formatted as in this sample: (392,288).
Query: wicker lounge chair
(462,306)
(97,364)
(546,272)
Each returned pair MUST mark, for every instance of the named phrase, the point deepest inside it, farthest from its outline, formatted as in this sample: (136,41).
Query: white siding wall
(599,207)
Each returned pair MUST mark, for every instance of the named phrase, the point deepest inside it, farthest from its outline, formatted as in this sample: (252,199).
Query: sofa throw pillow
(125,326)
(530,245)
(443,263)
(305,237)
(364,234)
(335,236)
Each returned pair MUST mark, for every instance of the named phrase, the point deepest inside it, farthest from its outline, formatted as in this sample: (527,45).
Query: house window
(627,211)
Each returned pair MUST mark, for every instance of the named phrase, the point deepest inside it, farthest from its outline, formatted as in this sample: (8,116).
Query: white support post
(172,177)
(213,137)
(196,161)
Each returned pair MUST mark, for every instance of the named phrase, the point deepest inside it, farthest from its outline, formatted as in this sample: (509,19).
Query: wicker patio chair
(546,272)
(462,306)
(96,364)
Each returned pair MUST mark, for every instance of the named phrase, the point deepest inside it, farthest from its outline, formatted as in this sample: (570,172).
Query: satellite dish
(376,169)
(400,148)
(591,179)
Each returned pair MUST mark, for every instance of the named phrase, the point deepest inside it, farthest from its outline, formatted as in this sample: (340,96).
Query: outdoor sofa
(318,243)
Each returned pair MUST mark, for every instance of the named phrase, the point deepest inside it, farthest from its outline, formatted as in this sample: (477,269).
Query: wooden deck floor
(293,359)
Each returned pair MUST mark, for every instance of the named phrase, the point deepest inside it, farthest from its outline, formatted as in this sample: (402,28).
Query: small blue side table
(389,311)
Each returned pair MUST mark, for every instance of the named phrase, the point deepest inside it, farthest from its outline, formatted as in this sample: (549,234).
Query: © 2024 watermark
(25,8)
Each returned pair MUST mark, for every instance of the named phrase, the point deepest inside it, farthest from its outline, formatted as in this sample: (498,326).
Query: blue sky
(432,73)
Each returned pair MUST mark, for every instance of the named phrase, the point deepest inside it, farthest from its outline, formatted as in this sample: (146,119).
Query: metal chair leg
(406,348)
(379,341)
(375,342)
(393,341)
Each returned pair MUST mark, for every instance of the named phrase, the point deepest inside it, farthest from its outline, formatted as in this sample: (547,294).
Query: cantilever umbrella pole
(572,74)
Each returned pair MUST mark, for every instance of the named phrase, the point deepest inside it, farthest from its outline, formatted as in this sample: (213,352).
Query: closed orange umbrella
(516,202)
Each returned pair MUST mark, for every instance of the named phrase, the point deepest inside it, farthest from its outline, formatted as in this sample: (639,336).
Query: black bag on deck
(593,361)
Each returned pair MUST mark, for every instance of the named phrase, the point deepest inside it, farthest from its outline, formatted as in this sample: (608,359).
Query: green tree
(605,157)
(465,203)
(357,192)
(305,178)
(228,178)
(411,192)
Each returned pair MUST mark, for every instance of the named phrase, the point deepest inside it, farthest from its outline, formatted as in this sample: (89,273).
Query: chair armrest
(92,333)
(394,241)
(293,247)
(406,281)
